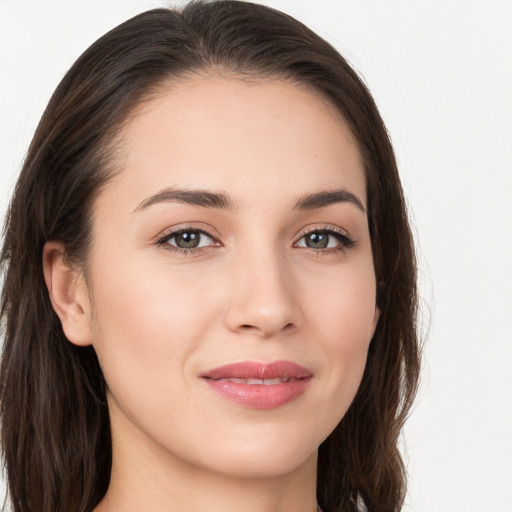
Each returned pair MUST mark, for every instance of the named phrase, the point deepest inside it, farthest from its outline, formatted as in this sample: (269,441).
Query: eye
(322,239)
(187,239)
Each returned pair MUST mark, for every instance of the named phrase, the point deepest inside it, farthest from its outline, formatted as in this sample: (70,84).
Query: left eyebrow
(326,198)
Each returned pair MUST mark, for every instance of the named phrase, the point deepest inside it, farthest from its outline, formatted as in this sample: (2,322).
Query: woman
(209,291)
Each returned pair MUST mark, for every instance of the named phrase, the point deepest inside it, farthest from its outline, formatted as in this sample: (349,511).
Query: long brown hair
(55,425)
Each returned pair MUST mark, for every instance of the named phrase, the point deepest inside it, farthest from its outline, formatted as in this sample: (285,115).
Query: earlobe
(68,294)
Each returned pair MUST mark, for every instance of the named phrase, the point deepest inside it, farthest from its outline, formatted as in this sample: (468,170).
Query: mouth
(259,385)
(254,382)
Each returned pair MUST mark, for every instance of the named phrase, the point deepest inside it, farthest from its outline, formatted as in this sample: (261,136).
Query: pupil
(317,240)
(187,240)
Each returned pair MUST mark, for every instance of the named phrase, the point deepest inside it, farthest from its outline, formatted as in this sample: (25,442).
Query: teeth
(266,382)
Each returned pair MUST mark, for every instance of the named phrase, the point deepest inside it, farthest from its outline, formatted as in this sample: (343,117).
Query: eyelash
(345,241)
(163,241)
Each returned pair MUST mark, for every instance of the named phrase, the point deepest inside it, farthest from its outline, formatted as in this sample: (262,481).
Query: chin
(263,454)
(265,465)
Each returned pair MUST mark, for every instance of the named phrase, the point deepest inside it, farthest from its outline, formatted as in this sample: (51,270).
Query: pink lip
(294,381)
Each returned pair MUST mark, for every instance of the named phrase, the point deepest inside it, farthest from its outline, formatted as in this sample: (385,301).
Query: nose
(263,299)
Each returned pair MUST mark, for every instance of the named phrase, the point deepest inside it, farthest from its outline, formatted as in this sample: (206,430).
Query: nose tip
(248,319)
(263,302)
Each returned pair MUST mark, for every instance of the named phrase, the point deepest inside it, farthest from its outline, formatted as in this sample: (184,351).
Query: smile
(259,385)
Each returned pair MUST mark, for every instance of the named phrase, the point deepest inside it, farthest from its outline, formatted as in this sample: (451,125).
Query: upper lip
(258,370)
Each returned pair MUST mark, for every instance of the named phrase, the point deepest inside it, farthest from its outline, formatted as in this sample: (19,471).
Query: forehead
(246,138)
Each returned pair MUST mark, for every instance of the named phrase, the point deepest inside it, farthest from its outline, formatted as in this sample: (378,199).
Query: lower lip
(260,396)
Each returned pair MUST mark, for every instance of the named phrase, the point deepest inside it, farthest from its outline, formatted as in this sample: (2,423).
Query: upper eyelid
(323,227)
(170,232)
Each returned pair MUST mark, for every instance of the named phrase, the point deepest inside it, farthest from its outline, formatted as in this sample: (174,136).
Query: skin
(252,290)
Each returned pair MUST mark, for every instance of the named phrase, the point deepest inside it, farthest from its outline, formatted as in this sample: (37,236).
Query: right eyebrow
(193,197)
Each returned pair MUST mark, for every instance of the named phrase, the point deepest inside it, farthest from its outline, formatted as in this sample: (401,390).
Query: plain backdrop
(441,74)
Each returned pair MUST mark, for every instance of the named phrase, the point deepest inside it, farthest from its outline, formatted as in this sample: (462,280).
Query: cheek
(345,305)
(345,315)
(148,319)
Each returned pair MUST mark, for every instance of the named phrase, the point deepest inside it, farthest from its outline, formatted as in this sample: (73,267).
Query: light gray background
(441,74)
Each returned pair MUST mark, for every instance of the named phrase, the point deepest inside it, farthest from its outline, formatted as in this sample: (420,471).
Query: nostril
(269,331)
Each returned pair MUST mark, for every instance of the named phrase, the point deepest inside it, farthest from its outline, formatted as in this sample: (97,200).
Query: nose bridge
(262,298)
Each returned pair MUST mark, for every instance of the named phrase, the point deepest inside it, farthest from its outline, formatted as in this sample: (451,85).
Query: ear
(68,294)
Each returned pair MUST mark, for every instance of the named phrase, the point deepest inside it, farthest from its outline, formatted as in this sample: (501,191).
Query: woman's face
(231,278)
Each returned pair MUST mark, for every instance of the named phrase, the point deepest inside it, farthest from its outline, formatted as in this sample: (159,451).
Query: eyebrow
(326,198)
(194,197)
(220,200)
